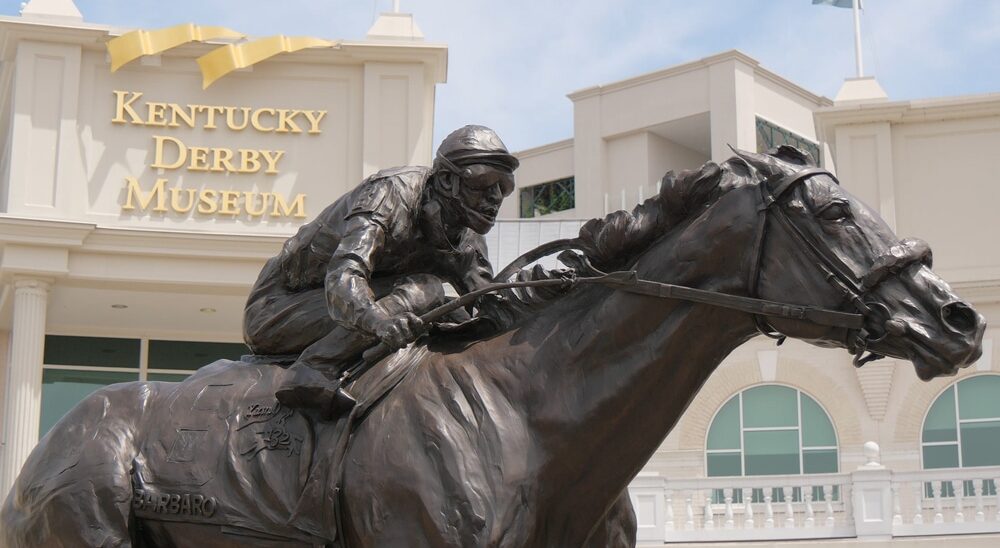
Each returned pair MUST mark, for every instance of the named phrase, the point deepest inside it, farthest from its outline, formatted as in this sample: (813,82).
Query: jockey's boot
(307,389)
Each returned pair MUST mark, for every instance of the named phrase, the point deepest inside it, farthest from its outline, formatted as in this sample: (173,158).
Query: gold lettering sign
(172,153)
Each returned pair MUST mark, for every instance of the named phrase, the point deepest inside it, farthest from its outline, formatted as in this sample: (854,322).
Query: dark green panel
(549,197)
(769,406)
(771,452)
(725,430)
(819,461)
(92,351)
(191,355)
(940,456)
(979,398)
(817,430)
(166,377)
(63,389)
(980,443)
(940,424)
(724,464)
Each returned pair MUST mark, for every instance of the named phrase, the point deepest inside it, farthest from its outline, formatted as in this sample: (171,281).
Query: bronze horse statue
(528,437)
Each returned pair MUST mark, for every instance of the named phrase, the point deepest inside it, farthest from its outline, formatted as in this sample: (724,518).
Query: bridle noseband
(875,320)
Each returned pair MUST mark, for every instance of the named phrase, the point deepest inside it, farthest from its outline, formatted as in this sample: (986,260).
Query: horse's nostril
(960,317)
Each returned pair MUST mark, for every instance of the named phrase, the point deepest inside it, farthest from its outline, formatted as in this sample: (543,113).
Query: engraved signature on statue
(256,410)
(275,435)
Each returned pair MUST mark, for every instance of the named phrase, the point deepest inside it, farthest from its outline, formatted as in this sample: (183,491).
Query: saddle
(224,452)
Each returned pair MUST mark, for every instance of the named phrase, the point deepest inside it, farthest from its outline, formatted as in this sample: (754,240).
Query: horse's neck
(615,372)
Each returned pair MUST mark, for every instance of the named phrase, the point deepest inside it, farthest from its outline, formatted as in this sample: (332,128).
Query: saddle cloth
(222,450)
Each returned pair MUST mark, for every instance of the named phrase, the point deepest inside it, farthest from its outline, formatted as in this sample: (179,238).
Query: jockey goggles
(481,183)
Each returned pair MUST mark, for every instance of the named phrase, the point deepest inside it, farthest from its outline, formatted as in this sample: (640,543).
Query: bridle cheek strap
(769,195)
(771,192)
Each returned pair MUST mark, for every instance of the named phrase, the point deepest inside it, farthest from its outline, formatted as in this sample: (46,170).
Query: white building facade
(137,207)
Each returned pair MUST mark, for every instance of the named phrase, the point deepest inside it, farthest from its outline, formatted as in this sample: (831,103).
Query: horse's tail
(75,487)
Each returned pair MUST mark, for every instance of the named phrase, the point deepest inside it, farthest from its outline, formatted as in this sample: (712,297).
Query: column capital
(33,282)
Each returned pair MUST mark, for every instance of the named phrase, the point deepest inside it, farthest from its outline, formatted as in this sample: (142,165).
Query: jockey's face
(480,196)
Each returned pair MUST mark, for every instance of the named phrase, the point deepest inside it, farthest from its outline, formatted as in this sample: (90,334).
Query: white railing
(747,508)
(871,502)
(941,502)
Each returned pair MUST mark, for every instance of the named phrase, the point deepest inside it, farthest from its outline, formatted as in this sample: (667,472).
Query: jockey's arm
(349,296)
(505,307)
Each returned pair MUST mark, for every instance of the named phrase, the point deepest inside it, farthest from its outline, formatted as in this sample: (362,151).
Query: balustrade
(928,502)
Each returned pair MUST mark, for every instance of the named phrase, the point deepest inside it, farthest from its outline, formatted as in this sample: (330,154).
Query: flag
(839,3)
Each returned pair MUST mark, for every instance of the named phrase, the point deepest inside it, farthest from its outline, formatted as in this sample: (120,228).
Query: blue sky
(512,62)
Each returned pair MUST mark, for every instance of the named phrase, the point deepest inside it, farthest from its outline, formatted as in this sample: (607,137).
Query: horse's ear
(765,165)
(793,155)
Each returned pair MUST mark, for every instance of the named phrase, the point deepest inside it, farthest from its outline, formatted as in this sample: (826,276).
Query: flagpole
(857,37)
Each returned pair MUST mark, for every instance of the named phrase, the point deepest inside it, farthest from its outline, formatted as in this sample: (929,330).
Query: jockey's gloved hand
(396,331)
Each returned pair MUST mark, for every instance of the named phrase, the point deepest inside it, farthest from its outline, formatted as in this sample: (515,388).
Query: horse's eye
(835,212)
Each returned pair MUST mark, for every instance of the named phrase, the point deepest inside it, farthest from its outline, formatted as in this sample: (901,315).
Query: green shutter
(724,464)
(819,461)
(771,452)
(940,424)
(770,406)
(91,351)
(941,456)
(725,430)
(817,431)
(191,355)
(63,389)
(981,443)
(979,398)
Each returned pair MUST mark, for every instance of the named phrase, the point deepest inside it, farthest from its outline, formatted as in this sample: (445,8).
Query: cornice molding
(924,110)
(23,231)
(545,149)
(87,237)
(705,62)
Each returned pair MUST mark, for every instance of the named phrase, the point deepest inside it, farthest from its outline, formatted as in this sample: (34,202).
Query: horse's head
(823,247)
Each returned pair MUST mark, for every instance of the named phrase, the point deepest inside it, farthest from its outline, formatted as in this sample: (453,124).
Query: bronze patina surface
(525,434)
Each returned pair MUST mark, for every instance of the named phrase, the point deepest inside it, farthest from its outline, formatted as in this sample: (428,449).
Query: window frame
(142,370)
(958,421)
(741,451)
(774,125)
(570,179)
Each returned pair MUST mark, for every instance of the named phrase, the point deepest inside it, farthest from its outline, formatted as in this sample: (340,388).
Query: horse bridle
(875,319)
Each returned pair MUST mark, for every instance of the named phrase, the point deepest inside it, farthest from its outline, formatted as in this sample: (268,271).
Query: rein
(629,281)
(870,324)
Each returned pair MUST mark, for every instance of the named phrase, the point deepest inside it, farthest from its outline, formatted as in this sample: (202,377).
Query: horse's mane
(614,240)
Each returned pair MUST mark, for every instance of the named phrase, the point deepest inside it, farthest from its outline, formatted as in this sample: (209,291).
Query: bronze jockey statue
(366,267)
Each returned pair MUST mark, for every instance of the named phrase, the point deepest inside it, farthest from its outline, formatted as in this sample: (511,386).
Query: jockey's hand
(398,331)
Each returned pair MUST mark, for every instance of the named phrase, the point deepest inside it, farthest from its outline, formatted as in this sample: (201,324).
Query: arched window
(962,427)
(771,430)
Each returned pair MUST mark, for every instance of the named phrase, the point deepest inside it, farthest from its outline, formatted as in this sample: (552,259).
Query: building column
(22,404)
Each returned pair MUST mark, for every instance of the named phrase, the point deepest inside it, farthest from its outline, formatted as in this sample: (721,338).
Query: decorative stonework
(767,361)
(876,381)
